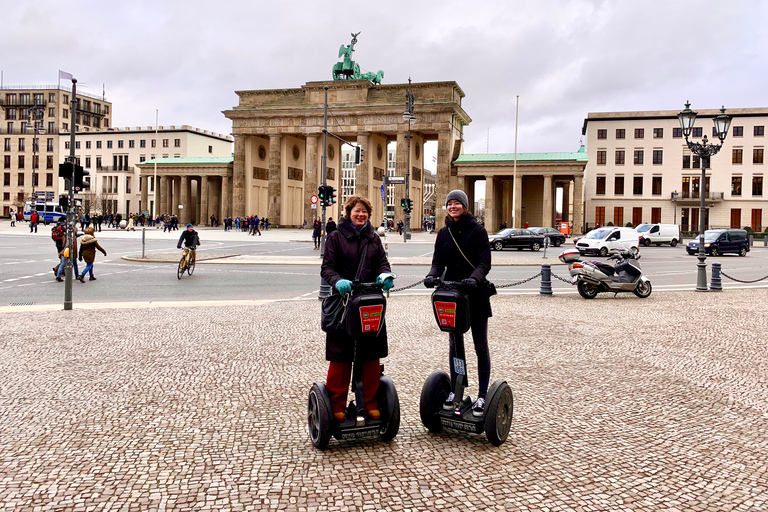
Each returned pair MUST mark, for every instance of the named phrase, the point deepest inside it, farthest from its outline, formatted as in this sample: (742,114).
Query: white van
(603,241)
(659,234)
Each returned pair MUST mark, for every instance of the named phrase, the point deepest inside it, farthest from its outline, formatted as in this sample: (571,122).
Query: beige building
(28,166)
(112,156)
(641,170)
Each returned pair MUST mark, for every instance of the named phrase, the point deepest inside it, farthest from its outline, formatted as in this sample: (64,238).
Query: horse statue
(347,69)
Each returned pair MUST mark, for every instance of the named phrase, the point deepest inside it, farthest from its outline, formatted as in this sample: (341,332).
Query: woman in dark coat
(471,267)
(344,249)
(317,232)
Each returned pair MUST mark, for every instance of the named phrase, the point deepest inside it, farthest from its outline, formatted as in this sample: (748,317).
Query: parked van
(721,241)
(659,234)
(48,212)
(604,240)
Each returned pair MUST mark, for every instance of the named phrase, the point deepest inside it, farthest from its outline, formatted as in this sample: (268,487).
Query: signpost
(396,180)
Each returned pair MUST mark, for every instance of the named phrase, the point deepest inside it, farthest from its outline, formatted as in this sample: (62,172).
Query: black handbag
(334,310)
(488,286)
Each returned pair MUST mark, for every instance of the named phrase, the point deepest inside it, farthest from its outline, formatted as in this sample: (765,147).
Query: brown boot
(92,278)
(81,278)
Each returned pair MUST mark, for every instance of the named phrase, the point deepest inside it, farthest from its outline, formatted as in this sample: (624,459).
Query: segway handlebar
(359,285)
(458,285)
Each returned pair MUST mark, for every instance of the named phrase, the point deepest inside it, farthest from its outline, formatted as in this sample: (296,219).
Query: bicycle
(187,262)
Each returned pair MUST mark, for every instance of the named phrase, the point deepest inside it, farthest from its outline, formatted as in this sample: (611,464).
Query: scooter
(593,277)
(451,309)
(364,320)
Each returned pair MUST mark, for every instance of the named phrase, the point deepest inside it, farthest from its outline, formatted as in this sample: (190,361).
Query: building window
(36,162)
(637,215)
(66,144)
(639,154)
(658,156)
(619,157)
(177,143)
(656,185)
(618,216)
(697,132)
(51,97)
(618,185)
(154,143)
(142,158)
(757,220)
(735,185)
(6,179)
(210,150)
(7,146)
(88,162)
(119,144)
(757,185)
(51,127)
(637,185)
(49,162)
(757,156)
(602,134)
(21,179)
(655,215)
(600,157)
(735,218)
(49,145)
(165,143)
(131,143)
(600,186)
(736,156)
(51,112)
(109,144)
(98,162)
(98,144)
(639,133)
(87,144)
(22,145)
(21,161)
(600,215)
(77,144)
(738,131)
(143,143)
(677,133)
(759,131)
(658,133)
(65,126)
(49,179)
(621,133)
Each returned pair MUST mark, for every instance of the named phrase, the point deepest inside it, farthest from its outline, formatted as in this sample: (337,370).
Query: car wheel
(715,251)
(557,242)
(535,246)
(498,246)
(743,251)
(603,251)
(647,242)
(673,243)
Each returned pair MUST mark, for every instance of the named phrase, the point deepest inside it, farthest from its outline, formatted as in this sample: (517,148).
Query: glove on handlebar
(344,285)
(429,282)
(469,282)
(386,280)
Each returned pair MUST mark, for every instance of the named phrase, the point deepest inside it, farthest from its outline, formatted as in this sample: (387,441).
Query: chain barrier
(741,281)
(518,282)
(567,281)
(406,287)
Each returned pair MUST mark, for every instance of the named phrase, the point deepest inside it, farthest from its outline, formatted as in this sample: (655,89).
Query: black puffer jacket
(473,240)
(343,249)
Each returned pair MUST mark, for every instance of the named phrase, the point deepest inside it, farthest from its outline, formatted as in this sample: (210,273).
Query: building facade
(33,119)
(640,170)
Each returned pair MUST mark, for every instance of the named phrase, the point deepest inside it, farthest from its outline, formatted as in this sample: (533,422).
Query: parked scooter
(593,277)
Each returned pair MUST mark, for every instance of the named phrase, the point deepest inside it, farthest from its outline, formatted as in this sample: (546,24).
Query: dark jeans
(480,338)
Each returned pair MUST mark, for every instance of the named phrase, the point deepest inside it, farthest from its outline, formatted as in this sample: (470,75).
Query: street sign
(313,199)
(396,180)
(313,206)
(383,193)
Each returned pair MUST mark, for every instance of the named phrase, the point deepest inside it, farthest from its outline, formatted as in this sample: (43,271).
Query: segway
(364,321)
(451,309)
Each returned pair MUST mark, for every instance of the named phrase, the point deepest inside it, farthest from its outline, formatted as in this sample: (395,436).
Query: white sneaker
(478,409)
(448,404)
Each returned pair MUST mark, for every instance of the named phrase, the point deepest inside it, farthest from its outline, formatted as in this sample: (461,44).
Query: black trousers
(479,329)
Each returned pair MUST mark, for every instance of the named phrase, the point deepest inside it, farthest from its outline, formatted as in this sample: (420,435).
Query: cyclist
(191,241)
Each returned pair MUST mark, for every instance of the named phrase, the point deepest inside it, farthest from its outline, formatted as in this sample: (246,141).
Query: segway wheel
(498,414)
(434,392)
(389,404)
(319,416)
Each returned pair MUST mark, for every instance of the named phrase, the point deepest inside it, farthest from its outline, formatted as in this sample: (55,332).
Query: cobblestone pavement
(204,409)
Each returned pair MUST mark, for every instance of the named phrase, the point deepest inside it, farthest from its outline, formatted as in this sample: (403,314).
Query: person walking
(64,255)
(58,235)
(131,224)
(354,249)
(99,222)
(33,220)
(12,216)
(256,223)
(88,246)
(317,232)
(463,253)
(330,226)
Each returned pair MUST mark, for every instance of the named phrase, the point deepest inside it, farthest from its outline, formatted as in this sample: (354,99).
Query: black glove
(469,283)
(178,247)
(429,282)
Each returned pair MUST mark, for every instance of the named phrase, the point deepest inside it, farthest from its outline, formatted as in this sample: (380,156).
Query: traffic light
(321,194)
(402,203)
(64,203)
(410,205)
(331,195)
(80,183)
(359,155)
(65,170)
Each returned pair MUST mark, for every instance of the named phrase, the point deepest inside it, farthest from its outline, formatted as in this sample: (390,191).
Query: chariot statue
(347,69)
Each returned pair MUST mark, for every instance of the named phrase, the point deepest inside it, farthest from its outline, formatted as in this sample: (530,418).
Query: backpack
(57,233)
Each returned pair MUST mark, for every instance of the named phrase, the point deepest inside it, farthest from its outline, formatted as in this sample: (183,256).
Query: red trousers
(339,375)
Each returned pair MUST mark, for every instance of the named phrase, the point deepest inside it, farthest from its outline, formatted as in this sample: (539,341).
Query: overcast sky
(564,58)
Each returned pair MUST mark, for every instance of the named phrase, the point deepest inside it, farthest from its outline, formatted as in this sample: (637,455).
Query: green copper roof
(196,160)
(522,157)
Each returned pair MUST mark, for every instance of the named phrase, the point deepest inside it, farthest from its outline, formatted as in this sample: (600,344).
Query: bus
(48,211)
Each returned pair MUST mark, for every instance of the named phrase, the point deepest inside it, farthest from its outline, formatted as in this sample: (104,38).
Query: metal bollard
(143,234)
(546,280)
(717,282)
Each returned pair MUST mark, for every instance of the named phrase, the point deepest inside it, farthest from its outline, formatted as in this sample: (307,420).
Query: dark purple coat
(343,249)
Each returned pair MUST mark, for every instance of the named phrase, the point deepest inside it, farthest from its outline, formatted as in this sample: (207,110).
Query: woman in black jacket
(317,232)
(353,242)
(463,253)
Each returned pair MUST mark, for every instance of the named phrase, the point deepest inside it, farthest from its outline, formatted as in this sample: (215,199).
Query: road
(26,260)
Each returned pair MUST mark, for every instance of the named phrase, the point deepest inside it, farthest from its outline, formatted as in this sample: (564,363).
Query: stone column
(401,162)
(566,214)
(144,184)
(491,209)
(578,205)
(184,217)
(362,171)
(443,175)
(469,188)
(311,177)
(275,175)
(547,220)
(166,188)
(176,195)
(189,204)
(238,178)
(204,213)
(518,201)
(158,196)
(226,193)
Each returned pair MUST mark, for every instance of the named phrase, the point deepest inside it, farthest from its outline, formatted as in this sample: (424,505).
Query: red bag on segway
(451,309)
(365,314)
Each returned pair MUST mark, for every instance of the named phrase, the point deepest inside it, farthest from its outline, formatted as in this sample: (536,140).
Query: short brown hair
(353,201)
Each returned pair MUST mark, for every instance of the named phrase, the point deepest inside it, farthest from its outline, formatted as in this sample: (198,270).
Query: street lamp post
(704,150)
(33,115)
(409,118)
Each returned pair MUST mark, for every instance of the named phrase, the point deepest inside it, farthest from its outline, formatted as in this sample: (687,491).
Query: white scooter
(593,277)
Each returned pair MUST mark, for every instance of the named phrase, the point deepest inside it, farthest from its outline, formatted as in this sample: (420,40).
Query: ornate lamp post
(704,150)
(409,118)
(34,114)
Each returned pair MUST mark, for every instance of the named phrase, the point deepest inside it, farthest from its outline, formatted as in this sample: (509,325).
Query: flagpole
(154,178)
(514,164)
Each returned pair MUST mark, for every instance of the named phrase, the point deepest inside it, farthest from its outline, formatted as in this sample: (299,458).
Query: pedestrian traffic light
(402,203)
(409,202)
(359,154)
(65,170)
(80,183)
(331,192)
(321,194)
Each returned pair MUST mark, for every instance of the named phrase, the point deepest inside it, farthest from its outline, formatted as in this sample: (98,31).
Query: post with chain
(717,282)
(546,279)
(72,213)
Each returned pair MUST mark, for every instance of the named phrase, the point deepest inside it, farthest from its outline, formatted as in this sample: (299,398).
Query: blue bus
(48,211)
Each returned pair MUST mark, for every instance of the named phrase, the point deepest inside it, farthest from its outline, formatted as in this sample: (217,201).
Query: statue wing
(342,51)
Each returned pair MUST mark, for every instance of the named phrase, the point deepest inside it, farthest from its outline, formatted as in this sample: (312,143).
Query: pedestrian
(266,224)
(330,226)
(88,246)
(131,224)
(118,220)
(256,222)
(304,225)
(12,216)
(33,220)
(317,228)
(354,249)
(462,253)
(213,220)
(99,221)
(58,235)
(64,255)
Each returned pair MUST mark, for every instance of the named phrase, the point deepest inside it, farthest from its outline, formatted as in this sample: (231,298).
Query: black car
(721,241)
(518,238)
(556,238)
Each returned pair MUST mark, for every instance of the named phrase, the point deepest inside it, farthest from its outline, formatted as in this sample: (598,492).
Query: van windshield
(710,236)
(598,234)
(642,228)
